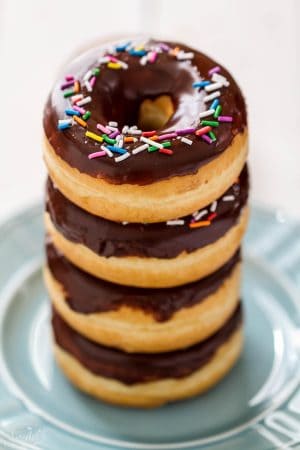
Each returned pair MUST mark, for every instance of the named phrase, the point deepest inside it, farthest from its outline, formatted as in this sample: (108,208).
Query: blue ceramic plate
(257,406)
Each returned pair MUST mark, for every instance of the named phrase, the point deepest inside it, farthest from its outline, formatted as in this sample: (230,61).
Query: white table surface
(257,40)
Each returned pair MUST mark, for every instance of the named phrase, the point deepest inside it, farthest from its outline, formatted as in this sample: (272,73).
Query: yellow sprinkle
(114,65)
(94,136)
(80,121)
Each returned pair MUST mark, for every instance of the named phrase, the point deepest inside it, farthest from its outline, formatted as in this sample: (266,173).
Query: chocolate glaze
(117,95)
(87,294)
(131,368)
(158,240)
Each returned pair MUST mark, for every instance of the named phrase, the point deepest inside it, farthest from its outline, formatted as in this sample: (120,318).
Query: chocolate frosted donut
(104,164)
(137,319)
(135,379)
(150,255)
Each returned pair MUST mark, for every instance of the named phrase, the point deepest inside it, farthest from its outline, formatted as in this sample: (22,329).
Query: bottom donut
(146,380)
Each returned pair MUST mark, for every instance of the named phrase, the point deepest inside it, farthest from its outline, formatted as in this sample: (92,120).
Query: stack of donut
(146,206)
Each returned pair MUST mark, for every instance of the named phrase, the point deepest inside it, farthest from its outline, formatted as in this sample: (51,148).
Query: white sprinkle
(183,56)
(107,151)
(122,157)
(186,140)
(120,141)
(103,60)
(139,149)
(88,75)
(123,64)
(207,113)
(213,206)
(125,129)
(76,97)
(136,132)
(84,101)
(200,214)
(210,97)
(220,79)
(144,60)
(150,142)
(228,198)
(113,124)
(133,127)
(112,128)
(88,86)
(175,222)
(65,121)
(125,223)
(213,87)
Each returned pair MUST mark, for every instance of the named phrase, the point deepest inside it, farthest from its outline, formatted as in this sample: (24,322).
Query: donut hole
(155,114)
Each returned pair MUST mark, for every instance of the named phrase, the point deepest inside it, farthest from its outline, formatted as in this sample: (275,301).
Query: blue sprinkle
(115,149)
(137,52)
(72,112)
(201,84)
(122,48)
(214,104)
(63,126)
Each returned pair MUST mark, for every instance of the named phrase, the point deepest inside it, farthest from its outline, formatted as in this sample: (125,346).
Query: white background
(257,40)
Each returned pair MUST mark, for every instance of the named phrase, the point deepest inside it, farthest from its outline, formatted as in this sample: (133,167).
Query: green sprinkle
(86,115)
(217,111)
(95,71)
(212,136)
(108,140)
(69,93)
(210,123)
(166,144)
(152,148)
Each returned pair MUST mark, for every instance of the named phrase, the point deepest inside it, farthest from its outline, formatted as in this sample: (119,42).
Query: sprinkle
(120,140)
(137,52)
(80,121)
(136,132)
(182,56)
(84,101)
(152,57)
(144,60)
(88,75)
(175,222)
(201,84)
(210,97)
(67,84)
(214,103)
(103,60)
(150,142)
(207,113)
(108,140)
(213,206)
(114,134)
(166,151)
(228,198)
(102,128)
(63,126)
(88,86)
(140,148)
(211,123)
(206,138)
(76,98)
(200,214)
(212,136)
(95,71)
(125,129)
(214,70)
(69,93)
(80,110)
(203,223)
(125,223)
(213,87)
(122,157)
(86,115)
(96,154)
(164,47)
(94,136)
(92,81)
(72,112)
(219,78)
(166,136)
(212,216)
(185,131)
(202,131)
(112,123)
(69,78)
(149,133)
(65,121)
(107,151)
(129,139)
(186,140)
(116,149)
(122,47)
(217,111)
(225,118)
(113,65)
(76,87)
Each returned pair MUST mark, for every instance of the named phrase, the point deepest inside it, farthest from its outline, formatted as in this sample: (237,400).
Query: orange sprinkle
(175,50)
(129,139)
(154,138)
(202,223)
(80,121)
(76,87)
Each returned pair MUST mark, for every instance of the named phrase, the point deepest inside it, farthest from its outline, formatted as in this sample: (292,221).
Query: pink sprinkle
(152,57)
(103,128)
(225,118)
(164,47)
(114,134)
(206,138)
(69,78)
(79,109)
(112,58)
(96,154)
(215,69)
(185,131)
(67,84)
(93,81)
(167,136)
